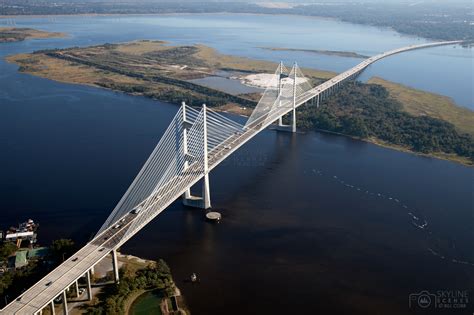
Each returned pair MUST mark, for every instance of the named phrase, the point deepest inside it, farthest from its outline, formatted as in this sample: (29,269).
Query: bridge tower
(293,127)
(280,120)
(281,126)
(189,200)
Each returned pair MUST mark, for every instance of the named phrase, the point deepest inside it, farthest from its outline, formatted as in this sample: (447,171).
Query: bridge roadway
(52,285)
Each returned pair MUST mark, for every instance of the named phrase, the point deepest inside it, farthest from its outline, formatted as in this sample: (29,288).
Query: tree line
(367,111)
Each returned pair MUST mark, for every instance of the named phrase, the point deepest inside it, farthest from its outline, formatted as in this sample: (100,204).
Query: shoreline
(19,34)
(56,70)
(236,110)
(130,264)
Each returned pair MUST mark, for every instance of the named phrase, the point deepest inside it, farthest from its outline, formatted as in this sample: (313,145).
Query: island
(379,111)
(16,34)
(348,54)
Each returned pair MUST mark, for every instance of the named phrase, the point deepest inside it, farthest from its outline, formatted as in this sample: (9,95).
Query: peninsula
(14,34)
(419,121)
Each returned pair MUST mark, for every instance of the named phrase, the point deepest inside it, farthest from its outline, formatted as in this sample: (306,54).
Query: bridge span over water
(195,142)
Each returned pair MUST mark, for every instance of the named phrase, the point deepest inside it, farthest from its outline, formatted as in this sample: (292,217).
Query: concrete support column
(89,287)
(115,265)
(53,311)
(65,310)
(203,202)
(187,193)
(206,192)
(206,195)
(280,120)
(76,286)
(293,127)
(317,104)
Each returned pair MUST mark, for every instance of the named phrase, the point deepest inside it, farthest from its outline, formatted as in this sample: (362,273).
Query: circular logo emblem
(424,301)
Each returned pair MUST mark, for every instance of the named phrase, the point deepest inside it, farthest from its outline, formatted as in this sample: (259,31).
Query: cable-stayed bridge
(195,142)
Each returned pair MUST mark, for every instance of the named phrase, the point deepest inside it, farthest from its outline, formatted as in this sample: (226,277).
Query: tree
(6,250)
(62,249)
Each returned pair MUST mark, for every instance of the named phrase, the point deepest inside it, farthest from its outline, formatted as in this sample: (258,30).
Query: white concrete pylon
(65,309)
(202,139)
(295,78)
(89,287)
(280,120)
(206,194)
(115,266)
(187,193)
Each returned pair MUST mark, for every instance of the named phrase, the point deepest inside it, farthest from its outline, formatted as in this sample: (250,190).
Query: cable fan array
(177,162)
(283,89)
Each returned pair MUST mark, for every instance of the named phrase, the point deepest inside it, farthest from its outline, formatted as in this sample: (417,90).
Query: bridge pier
(115,265)
(89,287)
(65,310)
(287,128)
(203,202)
(76,284)
(53,311)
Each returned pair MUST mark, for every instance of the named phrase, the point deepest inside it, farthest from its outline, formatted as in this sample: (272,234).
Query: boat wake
(417,220)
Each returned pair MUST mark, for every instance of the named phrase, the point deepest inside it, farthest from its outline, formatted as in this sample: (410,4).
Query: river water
(310,221)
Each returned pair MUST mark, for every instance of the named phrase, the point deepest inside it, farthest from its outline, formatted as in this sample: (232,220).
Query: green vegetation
(61,249)
(367,111)
(422,103)
(156,277)
(397,116)
(6,250)
(13,282)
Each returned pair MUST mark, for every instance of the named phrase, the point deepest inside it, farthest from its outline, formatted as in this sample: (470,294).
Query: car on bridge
(136,210)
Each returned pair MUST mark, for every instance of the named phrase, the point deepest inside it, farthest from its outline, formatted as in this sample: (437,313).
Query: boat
(24,231)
